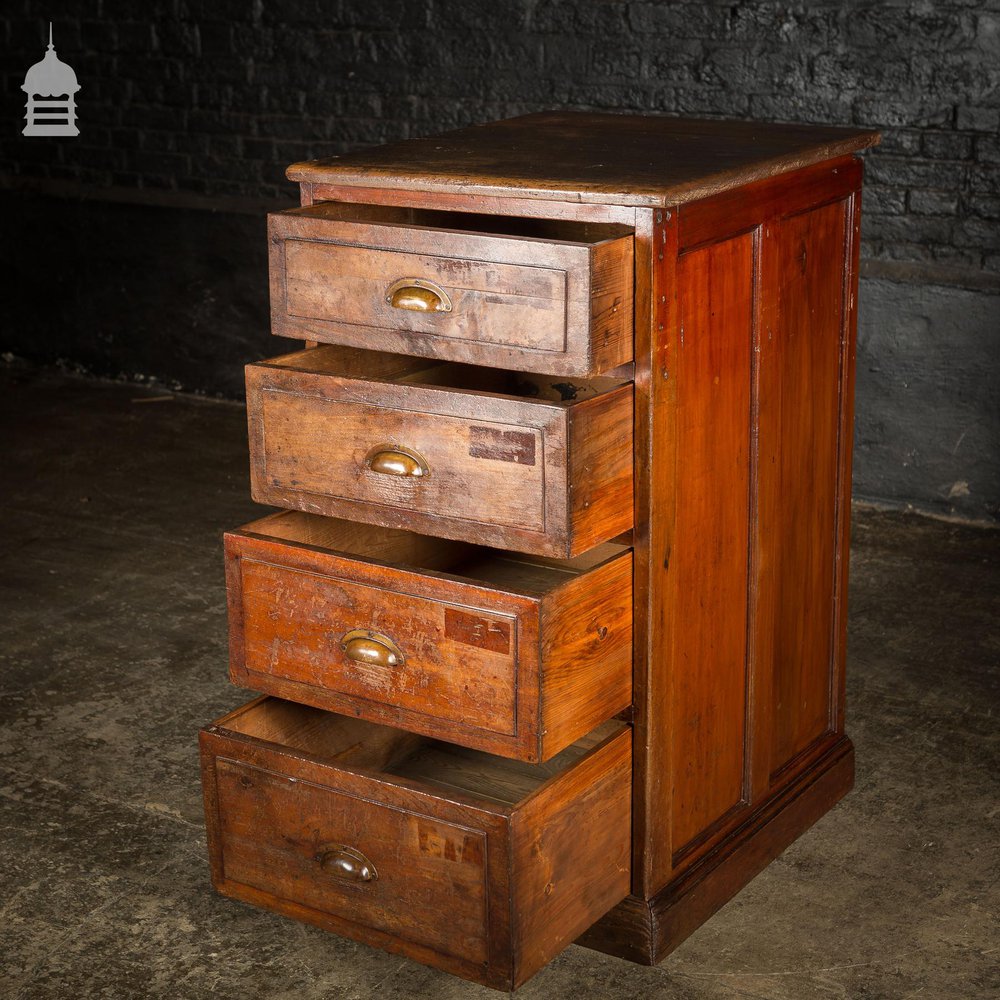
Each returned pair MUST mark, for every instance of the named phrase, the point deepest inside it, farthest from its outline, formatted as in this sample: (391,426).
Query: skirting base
(646,931)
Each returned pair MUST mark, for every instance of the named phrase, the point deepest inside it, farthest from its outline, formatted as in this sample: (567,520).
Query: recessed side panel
(801,349)
(707,565)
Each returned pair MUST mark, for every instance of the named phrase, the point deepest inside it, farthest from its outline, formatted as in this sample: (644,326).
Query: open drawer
(524,462)
(483,867)
(516,655)
(528,294)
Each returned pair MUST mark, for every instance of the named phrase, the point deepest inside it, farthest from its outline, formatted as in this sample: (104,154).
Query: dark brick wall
(213,98)
(190,105)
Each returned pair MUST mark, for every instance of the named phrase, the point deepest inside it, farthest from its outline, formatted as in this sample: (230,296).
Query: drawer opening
(368,747)
(380,367)
(477,564)
(549,230)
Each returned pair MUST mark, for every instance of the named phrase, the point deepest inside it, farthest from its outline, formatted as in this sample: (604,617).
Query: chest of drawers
(565,470)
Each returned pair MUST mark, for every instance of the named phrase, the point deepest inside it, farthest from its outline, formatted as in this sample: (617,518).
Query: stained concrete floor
(113,646)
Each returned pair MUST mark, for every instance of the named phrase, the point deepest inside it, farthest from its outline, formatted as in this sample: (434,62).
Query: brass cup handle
(346,863)
(395,460)
(418,295)
(365,646)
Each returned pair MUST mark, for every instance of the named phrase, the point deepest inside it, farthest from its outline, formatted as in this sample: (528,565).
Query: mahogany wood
(547,296)
(503,653)
(506,467)
(446,840)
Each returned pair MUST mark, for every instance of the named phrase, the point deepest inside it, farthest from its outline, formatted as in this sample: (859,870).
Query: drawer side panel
(571,849)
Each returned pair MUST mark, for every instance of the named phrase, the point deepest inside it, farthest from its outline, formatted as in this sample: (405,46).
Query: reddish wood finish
(734,213)
(501,653)
(455,858)
(800,411)
(504,469)
(707,586)
(552,297)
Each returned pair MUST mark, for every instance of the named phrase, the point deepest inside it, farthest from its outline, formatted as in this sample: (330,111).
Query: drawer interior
(475,563)
(365,746)
(549,230)
(347,362)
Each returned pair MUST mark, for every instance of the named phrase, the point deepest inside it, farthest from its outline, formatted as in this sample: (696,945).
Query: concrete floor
(113,648)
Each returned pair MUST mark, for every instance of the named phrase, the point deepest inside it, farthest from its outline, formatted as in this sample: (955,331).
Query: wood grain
(556,299)
(647,930)
(560,878)
(312,427)
(500,654)
(726,464)
(800,415)
(589,157)
(273,828)
(435,844)
(708,582)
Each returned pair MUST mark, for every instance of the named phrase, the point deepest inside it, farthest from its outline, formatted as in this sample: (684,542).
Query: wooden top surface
(591,157)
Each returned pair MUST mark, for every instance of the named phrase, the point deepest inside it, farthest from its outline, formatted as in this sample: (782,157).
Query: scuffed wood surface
(641,160)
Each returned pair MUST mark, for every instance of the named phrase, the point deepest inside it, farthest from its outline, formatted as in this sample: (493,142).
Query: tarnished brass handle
(346,863)
(418,295)
(364,646)
(395,460)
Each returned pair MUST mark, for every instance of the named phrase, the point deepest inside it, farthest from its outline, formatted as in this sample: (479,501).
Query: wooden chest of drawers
(566,470)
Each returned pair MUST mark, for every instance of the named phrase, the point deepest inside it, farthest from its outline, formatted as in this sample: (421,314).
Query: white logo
(50,86)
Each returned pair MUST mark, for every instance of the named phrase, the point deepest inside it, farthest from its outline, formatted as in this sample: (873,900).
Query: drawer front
(510,472)
(553,305)
(488,303)
(477,470)
(455,667)
(299,840)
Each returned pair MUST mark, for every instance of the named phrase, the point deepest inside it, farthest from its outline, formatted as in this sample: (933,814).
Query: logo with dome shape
(51,87)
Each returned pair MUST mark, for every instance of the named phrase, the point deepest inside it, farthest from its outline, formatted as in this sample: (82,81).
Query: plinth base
(647,930)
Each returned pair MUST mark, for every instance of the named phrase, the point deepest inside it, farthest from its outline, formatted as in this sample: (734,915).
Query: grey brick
(927,202)
(983,206)
(887,200)
(978,119)
(988,149)
(947,145)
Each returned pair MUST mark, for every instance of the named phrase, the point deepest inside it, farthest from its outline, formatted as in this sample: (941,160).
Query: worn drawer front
(503,655)
(514,472)
(559,304)
(322,444)
(279,832)
(463,861)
